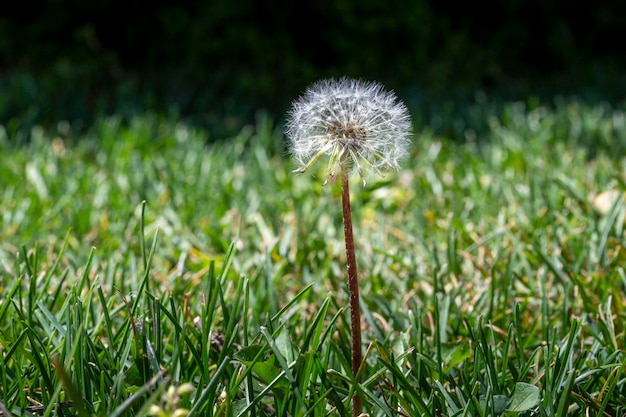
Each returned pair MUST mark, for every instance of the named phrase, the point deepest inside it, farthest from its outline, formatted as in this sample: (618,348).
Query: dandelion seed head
(357,124)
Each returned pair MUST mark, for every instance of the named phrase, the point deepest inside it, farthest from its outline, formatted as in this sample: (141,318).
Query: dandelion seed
(357,124)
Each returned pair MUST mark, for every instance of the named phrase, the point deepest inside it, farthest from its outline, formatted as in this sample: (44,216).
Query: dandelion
(357,124)
(360,127)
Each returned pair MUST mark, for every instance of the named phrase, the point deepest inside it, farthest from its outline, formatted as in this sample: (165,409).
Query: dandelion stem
(353,285)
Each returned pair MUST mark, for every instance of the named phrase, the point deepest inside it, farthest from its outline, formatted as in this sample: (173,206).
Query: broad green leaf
(265,370)
(248,354)
(525,397)
(500,404)
(284,345)
(454,353)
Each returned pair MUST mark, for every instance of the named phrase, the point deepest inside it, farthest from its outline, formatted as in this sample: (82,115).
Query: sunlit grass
(139,257)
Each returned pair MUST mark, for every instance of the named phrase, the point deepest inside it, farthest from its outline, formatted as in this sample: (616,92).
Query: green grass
(138,258)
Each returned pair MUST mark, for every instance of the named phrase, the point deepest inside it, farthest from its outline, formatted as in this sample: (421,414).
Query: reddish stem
(353,287)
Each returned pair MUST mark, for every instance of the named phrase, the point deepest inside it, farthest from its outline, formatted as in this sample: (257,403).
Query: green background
(221,61)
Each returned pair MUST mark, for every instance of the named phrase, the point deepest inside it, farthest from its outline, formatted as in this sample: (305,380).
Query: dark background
(219,62)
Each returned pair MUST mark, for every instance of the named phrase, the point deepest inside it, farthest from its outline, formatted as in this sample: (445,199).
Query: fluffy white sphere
(358,124)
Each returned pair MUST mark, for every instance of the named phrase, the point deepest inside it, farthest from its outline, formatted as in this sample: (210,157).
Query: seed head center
(350,134)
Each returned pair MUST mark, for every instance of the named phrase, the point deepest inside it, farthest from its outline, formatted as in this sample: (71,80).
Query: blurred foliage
(220,61)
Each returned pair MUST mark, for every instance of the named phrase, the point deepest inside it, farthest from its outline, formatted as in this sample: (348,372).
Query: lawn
(147,269)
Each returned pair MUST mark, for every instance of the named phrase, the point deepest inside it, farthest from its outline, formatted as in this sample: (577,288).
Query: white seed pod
(357,124)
